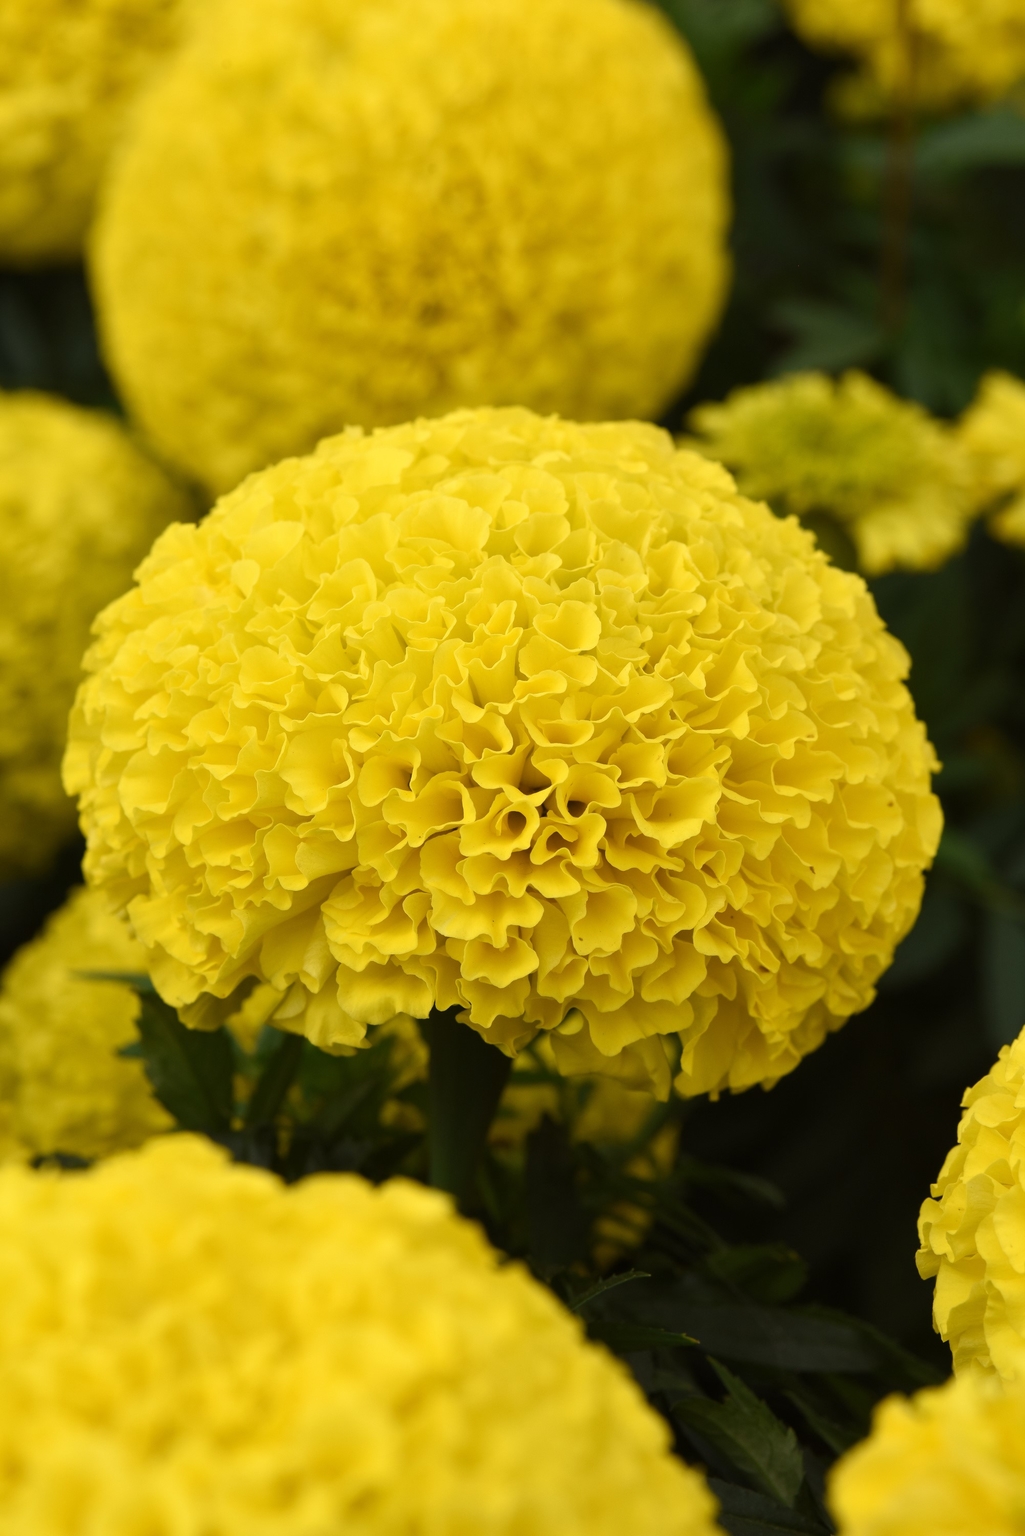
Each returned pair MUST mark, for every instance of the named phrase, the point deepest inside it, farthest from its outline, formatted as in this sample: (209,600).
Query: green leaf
(623,1337)
(744,1430)
(557,1225)
(191,1071)
(996,137)
(745,1513)
(1003,976)
(609,1284)
(768,1272)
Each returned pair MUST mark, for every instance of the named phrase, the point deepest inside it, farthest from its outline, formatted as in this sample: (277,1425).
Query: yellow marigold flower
(79,504)
(973,1230)
(540,721)
(949,1462)
(960,50)
(893,478)
(69,70)
(992,432)
(188,1344)
(64,1087)
(405,207)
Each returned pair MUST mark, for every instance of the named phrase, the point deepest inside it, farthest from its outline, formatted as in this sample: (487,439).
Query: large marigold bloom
(79,504)
(948,1462)
(63,1086)
(960,51)
(189,1345)
(893,478)
(69,72)
(402,207)
(540,721)
(973,1229)
(992,432)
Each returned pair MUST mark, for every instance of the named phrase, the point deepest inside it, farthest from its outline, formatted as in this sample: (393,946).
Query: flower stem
(465,1083)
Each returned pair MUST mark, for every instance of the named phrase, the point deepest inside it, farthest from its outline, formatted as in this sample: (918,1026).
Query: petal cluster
(961,51)
(992,433)
(973,1229)
(331,213)
(63,1086)
(895,480)
(540,721)
(950,1461)
(79,504)
(69,72)
(188,1345)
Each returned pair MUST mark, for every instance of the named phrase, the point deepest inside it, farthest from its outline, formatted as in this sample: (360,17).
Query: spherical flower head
(992,433)
(849,451)
(361,212)
(954,52)
(79,504)
(973,1229)
(70,71)
(188,1344)
(538,721)
(949,1462)
(66,1087)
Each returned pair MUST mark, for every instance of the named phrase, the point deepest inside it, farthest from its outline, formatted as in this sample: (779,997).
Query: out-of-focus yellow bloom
(992,432)
(188,1341)
(69,72)
(954,52)
(893,478)
(973,1230)
(363,211)
(537,720)
(63,1087)
(949,1462)
(79,505)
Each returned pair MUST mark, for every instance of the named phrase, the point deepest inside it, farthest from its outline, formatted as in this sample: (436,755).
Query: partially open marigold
(540,721)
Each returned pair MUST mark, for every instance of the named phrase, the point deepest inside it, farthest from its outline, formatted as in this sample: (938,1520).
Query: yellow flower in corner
(955,52)
(948,1462)
(337,211)
(190,1341)
(63,1086)
(79,505)
(70,71)
(992,432)
(892,478)
(972,1231)
(538,721)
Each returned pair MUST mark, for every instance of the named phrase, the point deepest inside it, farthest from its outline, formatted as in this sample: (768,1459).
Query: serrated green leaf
(746,1431)
(611,1283)
(191,1071)
(742,1512)
(624,1337)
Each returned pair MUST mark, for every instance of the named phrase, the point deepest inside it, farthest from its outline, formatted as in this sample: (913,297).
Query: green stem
(465,1083)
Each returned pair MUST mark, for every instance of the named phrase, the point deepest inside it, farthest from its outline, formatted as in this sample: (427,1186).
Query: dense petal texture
(63,1086)
(537,720)
(69,72)
(992,433)
(404,206)
(973,1229)
(895,480)
(188,1345)
(79,504)
(960,50)
(949,1462)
